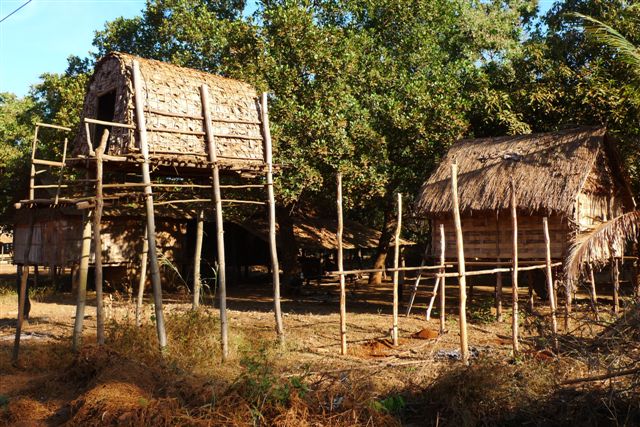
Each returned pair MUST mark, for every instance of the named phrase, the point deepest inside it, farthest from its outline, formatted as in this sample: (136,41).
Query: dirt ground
(35,387)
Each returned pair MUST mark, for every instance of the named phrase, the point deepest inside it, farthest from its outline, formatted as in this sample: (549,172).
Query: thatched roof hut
(173,110)
(573,176)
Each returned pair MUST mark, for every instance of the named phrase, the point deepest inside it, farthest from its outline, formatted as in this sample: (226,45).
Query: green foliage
(391,405)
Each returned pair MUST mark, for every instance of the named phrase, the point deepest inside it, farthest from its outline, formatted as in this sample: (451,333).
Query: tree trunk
(288,247)
(383,245)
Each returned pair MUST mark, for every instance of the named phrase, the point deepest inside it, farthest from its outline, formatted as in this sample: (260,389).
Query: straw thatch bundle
(171,93)
(549,170)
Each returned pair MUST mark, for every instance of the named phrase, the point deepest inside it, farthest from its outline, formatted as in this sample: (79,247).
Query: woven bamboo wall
(57,238)
(487,237)
(171,89)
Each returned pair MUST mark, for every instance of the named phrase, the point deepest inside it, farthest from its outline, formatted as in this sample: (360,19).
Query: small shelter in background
(573,177)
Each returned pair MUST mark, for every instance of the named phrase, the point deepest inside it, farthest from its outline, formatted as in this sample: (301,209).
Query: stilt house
(574,177)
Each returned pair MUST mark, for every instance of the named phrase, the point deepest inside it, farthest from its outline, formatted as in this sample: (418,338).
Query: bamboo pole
(514,273)
(83,273)
(462,280)
(273,250)
(434,293)
(498,291)
(343,293)
(215,175)
(550,289)
(97,238)
(443,286)
(196,260)
(143,276)
(396,262)
(64,158)
(151,221)
(593,294)
(615,275)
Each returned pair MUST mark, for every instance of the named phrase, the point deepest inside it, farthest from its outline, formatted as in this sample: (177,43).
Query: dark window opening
(106,112)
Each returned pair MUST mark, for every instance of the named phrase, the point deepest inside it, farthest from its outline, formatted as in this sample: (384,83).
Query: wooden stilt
(343,293)
(197,259)
(568,289)
(273,250)
(215,175)
(550,289)
(151,221)
(97,238)
(615,275)
(514,273)
(498,290)
(22,297)
(443,286)
(143,276)
(396,265)
(462,280)
(593,294)
(83,273)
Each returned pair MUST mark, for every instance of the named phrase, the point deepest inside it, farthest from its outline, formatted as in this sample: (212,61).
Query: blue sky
(39,37)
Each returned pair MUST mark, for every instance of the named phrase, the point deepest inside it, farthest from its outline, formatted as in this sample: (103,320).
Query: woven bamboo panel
(175,90)
(484,237)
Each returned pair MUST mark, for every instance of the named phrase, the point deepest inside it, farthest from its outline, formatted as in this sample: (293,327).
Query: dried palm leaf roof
(172,101)
(548,170)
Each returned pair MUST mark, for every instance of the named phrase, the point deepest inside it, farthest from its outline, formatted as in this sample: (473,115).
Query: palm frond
(595,246)
(606,34)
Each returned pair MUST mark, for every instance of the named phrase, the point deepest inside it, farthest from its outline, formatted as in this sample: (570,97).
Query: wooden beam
(550,289)
(151,222)
(215,175)
(47,125)
(343,293)
(396,266)
(514,274)
(273,250)
(464,345)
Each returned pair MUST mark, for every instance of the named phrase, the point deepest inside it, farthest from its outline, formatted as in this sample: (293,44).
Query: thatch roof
(316,233)
(170,94)
(548,171)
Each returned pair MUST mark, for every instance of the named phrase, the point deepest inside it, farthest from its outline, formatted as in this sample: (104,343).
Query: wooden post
(83,273)
(273,250)
(22,296)
(594,295)
(615,275)
(143,276)
(151,221)
(432,300)
(462,279)
(97,238)
(568,288)
(498,291)
(343,292)
(32,176)
(197,259)
(60,176)
(396,265)
(442,281)
(550,289)
(530,290)
(215,175)
(514,273)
